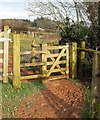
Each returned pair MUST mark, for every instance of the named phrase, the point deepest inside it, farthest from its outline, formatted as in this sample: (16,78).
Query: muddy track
(60,99)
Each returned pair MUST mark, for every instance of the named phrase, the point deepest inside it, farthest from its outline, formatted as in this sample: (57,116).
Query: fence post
(82,60)
(96,86)
(6,48)
(83,44)
(33,50)
(67,60)
(16,61)
(44,60)
(73,60)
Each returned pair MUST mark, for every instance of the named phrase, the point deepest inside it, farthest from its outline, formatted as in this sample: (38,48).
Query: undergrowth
(86,112)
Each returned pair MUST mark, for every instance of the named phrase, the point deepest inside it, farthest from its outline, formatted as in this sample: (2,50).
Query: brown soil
(60,99)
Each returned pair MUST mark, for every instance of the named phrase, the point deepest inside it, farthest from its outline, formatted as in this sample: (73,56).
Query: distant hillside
(24,25)
(17,24)
(44,23)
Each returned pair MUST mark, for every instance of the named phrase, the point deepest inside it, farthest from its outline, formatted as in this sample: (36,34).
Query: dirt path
(60,99)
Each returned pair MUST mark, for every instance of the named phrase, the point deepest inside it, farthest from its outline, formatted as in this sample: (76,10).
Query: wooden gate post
(44,60)
(96,86)
(16,61)
(6,48)
(73,60)
(67,60)
(83,44)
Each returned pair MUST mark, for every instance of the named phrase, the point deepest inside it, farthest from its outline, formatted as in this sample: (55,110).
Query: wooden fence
(96,85)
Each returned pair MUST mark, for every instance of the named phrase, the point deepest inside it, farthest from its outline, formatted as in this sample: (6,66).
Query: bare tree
(59,10)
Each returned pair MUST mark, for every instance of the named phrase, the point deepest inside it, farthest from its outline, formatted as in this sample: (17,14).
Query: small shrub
(86,112)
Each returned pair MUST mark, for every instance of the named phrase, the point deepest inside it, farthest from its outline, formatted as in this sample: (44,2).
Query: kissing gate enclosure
(48,60)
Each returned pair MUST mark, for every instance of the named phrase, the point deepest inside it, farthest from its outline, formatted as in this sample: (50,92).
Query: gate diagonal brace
(55,62)
(58,66)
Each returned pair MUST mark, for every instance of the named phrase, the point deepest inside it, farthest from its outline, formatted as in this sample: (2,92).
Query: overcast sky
(13,9)
(16,8)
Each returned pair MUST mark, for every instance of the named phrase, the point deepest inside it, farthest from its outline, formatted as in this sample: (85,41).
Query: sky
(17,9)
(13,9)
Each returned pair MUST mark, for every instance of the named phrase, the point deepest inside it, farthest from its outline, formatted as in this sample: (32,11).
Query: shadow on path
(61,106)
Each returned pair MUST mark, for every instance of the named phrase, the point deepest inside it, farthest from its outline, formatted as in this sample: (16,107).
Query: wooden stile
(16,61)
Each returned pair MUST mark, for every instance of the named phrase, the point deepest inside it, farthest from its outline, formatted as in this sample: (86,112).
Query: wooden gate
(56,59)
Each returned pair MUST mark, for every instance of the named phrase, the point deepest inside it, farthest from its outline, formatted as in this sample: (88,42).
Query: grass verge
(86,112)
(11,97)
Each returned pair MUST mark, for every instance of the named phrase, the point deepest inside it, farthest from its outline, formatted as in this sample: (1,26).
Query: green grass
(11,97)
(1,45)
(38,40)
(25,45)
